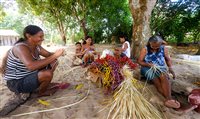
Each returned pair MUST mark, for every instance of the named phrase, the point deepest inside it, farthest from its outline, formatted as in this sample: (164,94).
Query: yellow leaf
(197,83)
(44,102)
(79,86)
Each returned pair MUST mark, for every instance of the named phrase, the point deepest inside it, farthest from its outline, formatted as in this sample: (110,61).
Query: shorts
(145,69)
(27,84)
(122,55)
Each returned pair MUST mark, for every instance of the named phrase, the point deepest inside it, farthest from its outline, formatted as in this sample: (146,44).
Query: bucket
(194,99)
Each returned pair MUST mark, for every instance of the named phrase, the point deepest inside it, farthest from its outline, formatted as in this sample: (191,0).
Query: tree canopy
(99,19)
(178,21)
(2,13)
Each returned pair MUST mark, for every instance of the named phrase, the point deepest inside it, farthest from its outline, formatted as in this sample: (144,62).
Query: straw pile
(155,70)
(129,103)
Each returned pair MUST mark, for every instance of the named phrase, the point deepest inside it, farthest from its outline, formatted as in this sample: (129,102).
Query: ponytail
(19,41)
(31,30)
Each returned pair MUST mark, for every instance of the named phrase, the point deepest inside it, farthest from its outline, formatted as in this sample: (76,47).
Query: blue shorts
(145,69)
(27,84)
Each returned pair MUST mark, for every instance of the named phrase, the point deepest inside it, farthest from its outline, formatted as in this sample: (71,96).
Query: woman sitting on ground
(88,51)
(23,70)
(156,54)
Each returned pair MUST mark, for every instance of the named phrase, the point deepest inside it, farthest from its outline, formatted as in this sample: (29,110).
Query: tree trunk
(82,21)
(141,13)
(62,32)
(83,26)
(61,28)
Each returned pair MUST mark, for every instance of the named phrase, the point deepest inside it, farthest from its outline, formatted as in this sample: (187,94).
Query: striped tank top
(15,69)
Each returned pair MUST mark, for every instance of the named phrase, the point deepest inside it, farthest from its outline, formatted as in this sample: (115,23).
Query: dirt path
(93,101)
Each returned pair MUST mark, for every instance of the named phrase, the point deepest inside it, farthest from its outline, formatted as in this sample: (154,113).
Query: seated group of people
(25,72)
(85,51)
(154,53)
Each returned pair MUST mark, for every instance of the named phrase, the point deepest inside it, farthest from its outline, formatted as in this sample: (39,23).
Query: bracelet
(170,67)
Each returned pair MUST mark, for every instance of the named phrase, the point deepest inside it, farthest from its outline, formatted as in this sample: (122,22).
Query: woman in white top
(125,49)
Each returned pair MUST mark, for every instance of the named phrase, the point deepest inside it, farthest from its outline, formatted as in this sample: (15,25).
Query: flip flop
(52,85)
(48,92)
(62,85)
(58,85)
(172,104)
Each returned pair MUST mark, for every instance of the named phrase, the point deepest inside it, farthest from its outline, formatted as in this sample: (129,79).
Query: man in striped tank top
(24,70)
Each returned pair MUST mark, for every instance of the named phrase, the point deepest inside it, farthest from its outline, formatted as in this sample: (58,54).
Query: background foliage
(69,21)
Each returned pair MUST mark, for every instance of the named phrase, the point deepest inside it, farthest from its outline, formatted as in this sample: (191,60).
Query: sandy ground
(88,101)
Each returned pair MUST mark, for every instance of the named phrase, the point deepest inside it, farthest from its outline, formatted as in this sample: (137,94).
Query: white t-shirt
(127,52)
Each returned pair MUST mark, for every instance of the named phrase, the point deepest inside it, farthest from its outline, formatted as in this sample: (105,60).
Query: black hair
(77,43)
(88,37)
(123,36)
(84,42)
(30,29)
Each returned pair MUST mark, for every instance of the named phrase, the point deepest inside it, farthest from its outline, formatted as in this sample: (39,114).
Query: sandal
(52,85)
(63,85)
(48,92)
(58,85)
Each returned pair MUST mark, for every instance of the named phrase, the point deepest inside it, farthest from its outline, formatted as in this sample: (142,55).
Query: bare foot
(172,103)
(187,108)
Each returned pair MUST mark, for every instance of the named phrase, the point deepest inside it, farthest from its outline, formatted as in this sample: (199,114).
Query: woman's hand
(59,52)
(172,72)
(149,64)
(84,51)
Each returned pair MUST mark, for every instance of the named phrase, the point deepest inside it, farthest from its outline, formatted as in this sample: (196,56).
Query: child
(78,55)
(78,50)
(125,49)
